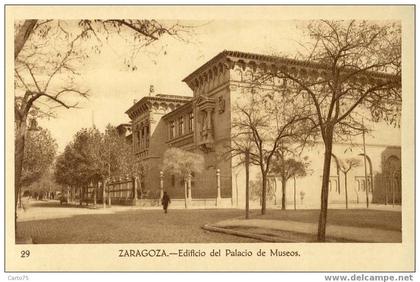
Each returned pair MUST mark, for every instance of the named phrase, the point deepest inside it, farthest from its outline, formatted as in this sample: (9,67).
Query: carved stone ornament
(206,148)
(232,87)
(222,105)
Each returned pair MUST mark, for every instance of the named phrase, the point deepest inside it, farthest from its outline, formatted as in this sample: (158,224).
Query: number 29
(25,253)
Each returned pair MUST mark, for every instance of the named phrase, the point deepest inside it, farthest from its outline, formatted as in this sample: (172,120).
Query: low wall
(122,201)
(146,202)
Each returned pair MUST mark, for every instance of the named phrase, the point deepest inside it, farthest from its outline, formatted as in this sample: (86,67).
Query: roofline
(209,62)
(189,103)
(163,98)
(267,58)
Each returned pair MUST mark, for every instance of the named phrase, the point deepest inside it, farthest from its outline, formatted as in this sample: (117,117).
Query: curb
(264,238)
(23,241)
(272,239)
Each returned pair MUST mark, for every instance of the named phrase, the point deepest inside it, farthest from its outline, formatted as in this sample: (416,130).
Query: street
(129,226)
(48,222)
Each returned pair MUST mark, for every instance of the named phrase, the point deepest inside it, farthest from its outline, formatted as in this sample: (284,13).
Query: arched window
(191,122)
(238,75)
(171,129)
(369,170)
(181,126)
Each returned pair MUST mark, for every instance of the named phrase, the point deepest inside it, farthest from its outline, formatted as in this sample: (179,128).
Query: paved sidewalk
(293,231)
(335,206)
(38,210)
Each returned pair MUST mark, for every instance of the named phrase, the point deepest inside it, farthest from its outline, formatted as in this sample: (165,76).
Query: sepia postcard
(209,138)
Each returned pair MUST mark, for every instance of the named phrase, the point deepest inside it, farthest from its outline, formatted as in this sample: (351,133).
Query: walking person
(165,201)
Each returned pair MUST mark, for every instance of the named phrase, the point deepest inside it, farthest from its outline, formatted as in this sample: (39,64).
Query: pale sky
(113,87)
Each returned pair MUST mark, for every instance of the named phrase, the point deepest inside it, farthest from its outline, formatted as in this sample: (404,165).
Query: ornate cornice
(229,59)
(159,101)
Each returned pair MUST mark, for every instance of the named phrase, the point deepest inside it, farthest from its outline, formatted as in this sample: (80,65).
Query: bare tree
(352,69)
(240,150)
(287,167)
(44,80)
(345,165)
(47,56)
(143,31)
(268,116)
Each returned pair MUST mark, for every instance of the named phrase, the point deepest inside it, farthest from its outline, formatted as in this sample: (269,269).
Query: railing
(205,191)
(117,190)
(387,190)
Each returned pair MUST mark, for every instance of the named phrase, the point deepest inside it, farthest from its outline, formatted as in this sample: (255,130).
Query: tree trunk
(283,192)
(140,187)
(20,198)
(95,192)
(345,187)
(104,183)
(264,193)
(247,184)
(322,224)
(109,192)
(81,195)
(23,35)
(275,191)
(189,188)
(19,155)
(185,193)
(294,192)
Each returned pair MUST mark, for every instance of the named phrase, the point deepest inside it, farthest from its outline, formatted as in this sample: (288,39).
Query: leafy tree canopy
(183,163)
(39,154)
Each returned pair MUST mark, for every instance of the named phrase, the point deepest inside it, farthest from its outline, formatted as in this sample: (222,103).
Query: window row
(360,180)
(181,126)
(141,137)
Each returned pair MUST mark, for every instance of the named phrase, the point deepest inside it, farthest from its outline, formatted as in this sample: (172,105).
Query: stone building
(201,123)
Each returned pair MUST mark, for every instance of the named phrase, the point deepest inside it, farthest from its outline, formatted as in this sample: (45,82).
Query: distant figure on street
(165,201)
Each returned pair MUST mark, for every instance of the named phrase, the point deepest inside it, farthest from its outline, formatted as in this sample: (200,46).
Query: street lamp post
(219,198)
(364,160)
(161,184)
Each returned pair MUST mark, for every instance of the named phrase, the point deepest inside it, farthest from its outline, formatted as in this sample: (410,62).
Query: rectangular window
(191,122)
(141,137)
(181,126)
(171,129)
(146,136)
